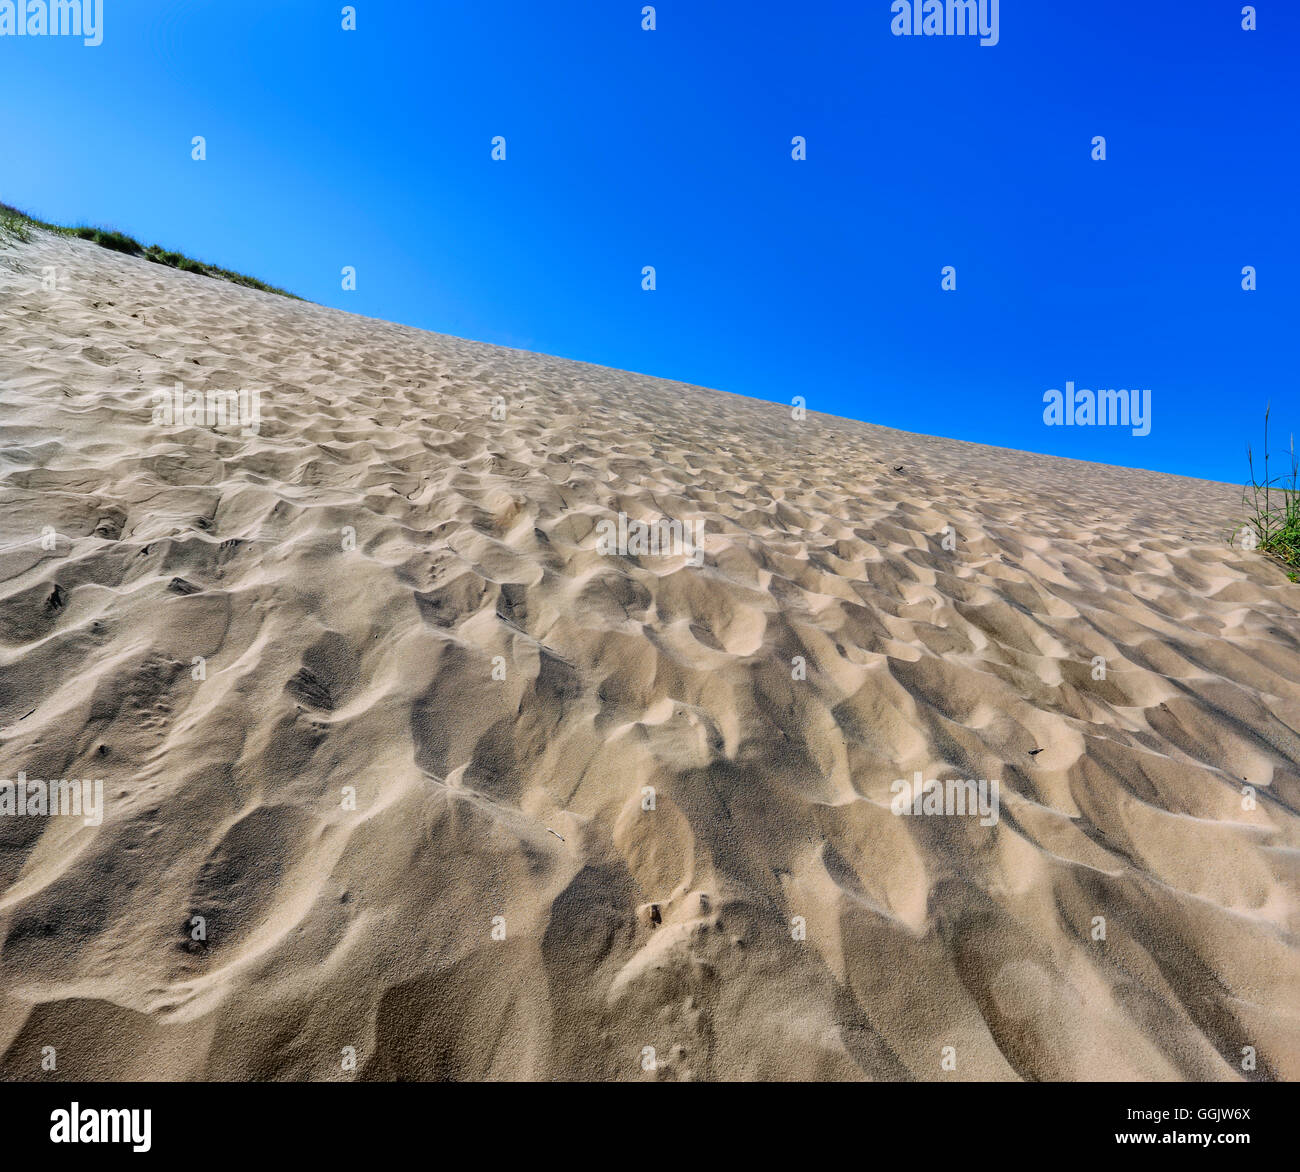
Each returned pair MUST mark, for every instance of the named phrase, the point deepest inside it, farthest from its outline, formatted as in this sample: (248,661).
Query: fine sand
(380,726)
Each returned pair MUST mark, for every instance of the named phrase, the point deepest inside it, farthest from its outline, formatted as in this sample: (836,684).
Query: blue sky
(672,148)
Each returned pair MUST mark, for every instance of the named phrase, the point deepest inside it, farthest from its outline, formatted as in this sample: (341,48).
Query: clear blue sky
(672,148)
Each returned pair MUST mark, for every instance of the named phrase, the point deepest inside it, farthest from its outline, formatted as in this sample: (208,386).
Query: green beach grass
(1273,508)
(18,225)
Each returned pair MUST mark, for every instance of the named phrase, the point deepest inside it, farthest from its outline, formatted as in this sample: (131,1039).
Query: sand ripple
(459,713)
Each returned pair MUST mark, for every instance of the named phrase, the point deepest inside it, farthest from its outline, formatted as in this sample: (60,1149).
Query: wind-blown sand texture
(476,797)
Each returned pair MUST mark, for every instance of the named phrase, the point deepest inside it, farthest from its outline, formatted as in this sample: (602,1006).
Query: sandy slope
(372,668)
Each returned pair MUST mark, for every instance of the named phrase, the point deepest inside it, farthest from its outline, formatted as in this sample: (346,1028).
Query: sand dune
(378,719)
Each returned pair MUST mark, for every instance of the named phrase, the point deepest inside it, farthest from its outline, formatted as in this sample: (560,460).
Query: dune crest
(397,758)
